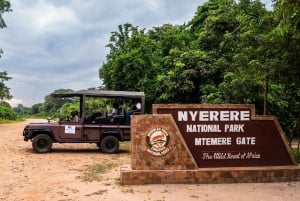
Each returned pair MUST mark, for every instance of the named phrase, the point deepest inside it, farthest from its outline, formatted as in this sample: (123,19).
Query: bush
(296,153)
(6,112)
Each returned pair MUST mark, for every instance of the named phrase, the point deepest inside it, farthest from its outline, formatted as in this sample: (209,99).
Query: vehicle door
(71,130)
(91,132)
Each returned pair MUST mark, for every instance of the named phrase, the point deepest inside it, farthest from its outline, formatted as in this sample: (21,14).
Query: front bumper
(26,133)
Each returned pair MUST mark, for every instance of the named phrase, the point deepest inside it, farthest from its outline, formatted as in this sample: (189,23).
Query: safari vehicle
(98,127)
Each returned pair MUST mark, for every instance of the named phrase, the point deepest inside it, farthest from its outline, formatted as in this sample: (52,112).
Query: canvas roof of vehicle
(100,93)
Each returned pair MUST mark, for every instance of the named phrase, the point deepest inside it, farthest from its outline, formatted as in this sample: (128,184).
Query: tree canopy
(229,52)
(6,111)
(4,90)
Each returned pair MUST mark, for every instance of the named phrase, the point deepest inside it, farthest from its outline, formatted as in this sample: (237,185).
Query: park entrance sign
(204,143)
(229,135)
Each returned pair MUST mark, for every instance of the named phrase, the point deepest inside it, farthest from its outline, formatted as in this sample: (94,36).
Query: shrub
(6,112)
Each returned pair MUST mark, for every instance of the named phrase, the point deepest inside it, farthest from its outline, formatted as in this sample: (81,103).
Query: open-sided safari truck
(100,127)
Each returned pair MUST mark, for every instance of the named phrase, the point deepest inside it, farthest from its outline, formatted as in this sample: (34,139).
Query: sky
(60,44)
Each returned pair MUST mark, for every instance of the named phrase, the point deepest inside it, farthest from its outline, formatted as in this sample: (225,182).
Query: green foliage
(4,7)
(94,172)
(4,90)
(67,109)
(35,109)
(287,12)
(61,108)
(230,52)
(22,111)
(296,153)
(51,105)
(91,105)
(6,112)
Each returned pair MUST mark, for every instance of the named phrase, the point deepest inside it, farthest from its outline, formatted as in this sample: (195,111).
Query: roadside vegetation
(296,153)
(95,172)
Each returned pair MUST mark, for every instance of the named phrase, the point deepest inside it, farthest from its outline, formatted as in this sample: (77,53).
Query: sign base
(211,175)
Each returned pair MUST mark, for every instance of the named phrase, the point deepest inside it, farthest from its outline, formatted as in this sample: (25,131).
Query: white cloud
(43,17)
(54,19)
(14,102)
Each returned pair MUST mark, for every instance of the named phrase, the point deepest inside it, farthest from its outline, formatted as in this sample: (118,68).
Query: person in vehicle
(115,110)
(75,117)
(135,108)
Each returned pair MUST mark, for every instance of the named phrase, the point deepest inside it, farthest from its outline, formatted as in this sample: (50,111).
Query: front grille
(25,131)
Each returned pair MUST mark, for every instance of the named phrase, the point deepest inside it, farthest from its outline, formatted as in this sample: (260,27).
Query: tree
(4,90)
(263,71)
(22,111)
(288,14)
(35,109)
(286,39)
(122,59)
(253,58)
(236,37)
(133,61)
(51,105)
(6,112)
(230,52)
(174,72)
(4,7)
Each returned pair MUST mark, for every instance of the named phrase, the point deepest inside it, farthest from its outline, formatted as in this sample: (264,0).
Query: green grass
(6,121)
(125,145)
(100,192)
(94,172)
(127,190)
(296,154)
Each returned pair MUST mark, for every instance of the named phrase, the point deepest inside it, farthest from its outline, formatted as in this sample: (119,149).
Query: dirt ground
(25,175)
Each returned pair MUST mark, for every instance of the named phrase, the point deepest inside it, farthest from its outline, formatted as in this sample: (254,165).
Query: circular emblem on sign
(158,141)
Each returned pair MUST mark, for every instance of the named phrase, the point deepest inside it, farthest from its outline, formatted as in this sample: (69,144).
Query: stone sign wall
(157,144)
(207,144)
(230,135)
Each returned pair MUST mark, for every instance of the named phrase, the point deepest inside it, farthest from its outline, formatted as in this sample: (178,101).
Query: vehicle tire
(42,143)
(110,144)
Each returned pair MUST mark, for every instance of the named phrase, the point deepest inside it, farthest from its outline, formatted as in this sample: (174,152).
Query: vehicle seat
(94,116)
(101,118)
(121,111)
(120,117)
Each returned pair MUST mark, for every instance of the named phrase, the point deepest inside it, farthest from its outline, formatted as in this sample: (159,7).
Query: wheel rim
(110,144)
(42,143)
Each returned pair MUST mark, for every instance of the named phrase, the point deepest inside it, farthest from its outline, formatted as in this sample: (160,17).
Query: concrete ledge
(211,175)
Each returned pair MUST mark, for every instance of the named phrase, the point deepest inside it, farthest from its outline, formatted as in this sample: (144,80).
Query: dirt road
(62,175)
